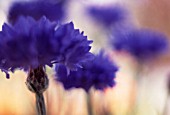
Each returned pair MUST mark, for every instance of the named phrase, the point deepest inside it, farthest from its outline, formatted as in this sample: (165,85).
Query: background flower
(98,73)
(107,15)
(53,10)
(143,44)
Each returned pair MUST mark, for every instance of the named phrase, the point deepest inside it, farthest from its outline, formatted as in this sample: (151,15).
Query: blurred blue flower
(98,73)
(54,11)
(143,44)
(107,15)
(30,44)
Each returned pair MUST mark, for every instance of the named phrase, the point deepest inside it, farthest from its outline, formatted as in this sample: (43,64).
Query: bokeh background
(15,99)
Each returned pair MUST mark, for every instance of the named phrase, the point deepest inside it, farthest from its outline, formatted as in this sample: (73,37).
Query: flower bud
(37,80)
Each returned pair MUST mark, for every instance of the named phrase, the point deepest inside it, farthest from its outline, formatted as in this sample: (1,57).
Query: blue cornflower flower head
(54,11)
(107,15)
(143,44)
(28,43)
(31,44)
(73,46)
(98,73)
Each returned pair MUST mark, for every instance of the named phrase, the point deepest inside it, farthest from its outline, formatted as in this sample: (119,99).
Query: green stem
(166,104)
(89,104)
(138,82)
(37,82)
(40,104)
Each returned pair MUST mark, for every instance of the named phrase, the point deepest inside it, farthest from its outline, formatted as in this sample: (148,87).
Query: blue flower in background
(98,73)
(54,11)
(107,15)
(30,44)
(143,44)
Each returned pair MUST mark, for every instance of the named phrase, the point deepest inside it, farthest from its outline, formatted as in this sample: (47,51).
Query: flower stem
(37,82)
(165,109)
(89,106)
(40,104)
